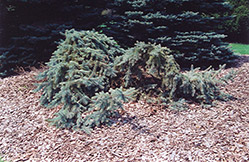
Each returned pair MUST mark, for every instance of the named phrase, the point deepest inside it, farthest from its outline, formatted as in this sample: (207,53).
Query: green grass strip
(240,48)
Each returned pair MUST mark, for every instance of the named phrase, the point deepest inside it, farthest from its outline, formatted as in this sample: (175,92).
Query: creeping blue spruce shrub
(156,75)
(78,77)
(200,86)
(90,76)
(147,65)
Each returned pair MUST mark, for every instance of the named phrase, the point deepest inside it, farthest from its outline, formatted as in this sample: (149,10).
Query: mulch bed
(144,133)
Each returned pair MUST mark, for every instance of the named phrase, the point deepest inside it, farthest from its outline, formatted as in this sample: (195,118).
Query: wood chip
(220,133)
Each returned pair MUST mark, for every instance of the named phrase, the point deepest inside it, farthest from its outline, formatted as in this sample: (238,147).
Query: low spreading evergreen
(78,77)
(90,77)
(154,72)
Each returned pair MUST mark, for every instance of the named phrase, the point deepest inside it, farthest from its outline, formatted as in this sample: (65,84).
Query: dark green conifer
(32,28)
(238,28)
(188,27)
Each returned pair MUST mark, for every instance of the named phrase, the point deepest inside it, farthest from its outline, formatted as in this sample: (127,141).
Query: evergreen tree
(32,28)
(238,28)
(187,27)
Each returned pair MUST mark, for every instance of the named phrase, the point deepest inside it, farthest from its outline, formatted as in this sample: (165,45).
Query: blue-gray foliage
(78,78)
(90,76)
(187,27)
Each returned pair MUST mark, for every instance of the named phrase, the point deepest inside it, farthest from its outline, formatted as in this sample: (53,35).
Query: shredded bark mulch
(143,133)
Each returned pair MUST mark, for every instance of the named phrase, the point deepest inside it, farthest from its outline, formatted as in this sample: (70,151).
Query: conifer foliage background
(32,28)
(189,28)
(238,28)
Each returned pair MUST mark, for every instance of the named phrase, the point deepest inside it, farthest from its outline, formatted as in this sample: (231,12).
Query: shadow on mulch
(242,59)
(133,121)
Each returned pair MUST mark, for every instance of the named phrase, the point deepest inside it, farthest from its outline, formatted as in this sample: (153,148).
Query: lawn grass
(240,48)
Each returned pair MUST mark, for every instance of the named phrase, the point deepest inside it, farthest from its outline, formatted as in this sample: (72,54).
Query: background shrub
(238,28)
(189,28)
(32,28)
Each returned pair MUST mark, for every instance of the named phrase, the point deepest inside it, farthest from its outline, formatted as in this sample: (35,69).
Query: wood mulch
(144,133)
